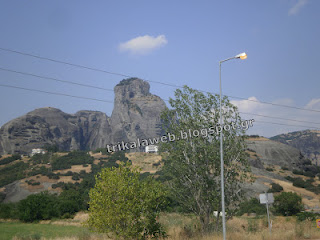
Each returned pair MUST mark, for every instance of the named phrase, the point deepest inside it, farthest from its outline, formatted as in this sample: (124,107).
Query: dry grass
(75,168)
(246,228)
(184,227)
(258,139)
(81,217)
(145,161)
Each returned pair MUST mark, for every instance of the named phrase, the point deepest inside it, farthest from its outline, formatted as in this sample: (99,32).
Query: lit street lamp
(240,56)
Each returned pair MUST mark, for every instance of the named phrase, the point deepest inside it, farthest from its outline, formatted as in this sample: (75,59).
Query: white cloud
(247,106)
(143,44)
(296,8)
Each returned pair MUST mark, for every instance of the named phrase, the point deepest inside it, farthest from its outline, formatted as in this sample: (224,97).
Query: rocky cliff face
(308,142)
(268,152)
(136,114)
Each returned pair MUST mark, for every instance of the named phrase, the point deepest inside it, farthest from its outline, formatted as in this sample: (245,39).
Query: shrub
(73,158)
(8,210)
(2,196)
(75,177)
(51,148)
(9,174)
(275,188)
(118,156)
(39,206)
(40,158)
(297,172)
(310,216)
(269,169)
(288,203)
(123,204)
(7,160)
(251,206)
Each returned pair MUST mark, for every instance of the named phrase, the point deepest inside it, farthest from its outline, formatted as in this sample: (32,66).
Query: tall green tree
(288,203)
(124,205)
(193,162)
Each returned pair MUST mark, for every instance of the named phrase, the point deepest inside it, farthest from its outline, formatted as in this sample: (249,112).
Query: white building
(37,151)
(151,149)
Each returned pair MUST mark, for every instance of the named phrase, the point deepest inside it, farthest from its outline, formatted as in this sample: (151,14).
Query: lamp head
(242,56)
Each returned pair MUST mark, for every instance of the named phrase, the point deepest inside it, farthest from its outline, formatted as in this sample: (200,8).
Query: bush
(7,160)
(288,203)
(73,158)
(118,156)
(284,168)
(70,202)
(40,158)
(297,172)
(8,210)
(310,216)
(41,206)
(75,177)
(251,206)
(2,196)
(104,151)
(275,188)
(269,169)
(9,174)
(51,148)
(59,184)
(32,182)
(123,204)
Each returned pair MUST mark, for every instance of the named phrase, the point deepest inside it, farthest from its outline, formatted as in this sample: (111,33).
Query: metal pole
(268,212)
(222,163)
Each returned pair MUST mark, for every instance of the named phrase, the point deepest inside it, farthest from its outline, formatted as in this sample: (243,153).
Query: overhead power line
(284,124)
(288,119)
(54,93)
(127,76)
(82,66)
(67,95)
(275,104)
(55,79)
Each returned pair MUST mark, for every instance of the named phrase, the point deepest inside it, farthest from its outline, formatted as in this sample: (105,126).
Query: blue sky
(177,42)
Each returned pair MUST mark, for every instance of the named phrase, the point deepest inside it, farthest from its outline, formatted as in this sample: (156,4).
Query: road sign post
(267,198)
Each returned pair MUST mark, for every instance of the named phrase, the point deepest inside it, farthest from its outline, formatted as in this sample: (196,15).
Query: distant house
(37,151)
(151,149)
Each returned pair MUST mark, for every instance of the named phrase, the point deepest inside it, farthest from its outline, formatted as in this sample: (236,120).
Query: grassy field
(178,226)
(9,230)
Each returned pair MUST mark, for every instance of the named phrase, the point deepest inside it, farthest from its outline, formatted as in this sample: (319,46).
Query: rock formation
(136,114)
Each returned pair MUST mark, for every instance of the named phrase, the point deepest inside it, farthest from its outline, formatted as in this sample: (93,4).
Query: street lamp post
(241,56)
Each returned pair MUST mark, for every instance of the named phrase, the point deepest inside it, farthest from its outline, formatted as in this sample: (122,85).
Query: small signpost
(267,198)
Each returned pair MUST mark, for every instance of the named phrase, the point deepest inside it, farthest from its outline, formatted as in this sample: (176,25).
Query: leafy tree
(51,147)
(39,206)
(288,203)
(123,204)
(193,162)
(70,201)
